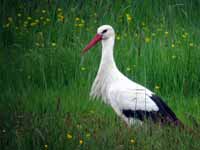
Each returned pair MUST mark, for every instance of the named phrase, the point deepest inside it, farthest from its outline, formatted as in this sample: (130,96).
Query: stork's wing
(141,104)
(164,109)
(132,99)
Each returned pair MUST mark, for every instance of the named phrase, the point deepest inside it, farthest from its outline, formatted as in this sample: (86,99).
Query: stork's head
(104,32)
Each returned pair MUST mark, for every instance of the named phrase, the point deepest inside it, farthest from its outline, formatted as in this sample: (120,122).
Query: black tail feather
(166,114)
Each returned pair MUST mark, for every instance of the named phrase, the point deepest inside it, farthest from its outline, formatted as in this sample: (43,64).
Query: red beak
(96,39)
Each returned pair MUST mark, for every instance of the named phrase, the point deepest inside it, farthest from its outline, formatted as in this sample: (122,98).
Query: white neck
(107,59)
(107,72)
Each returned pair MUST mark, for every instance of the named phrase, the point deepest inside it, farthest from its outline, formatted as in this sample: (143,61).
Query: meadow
(45,81)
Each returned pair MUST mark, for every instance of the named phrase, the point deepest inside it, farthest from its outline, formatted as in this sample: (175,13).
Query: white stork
(131,101)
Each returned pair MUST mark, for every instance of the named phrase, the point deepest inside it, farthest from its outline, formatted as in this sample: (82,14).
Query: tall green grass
(44,80)
(28,57)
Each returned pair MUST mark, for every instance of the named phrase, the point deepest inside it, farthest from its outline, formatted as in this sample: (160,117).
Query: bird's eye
(104,31)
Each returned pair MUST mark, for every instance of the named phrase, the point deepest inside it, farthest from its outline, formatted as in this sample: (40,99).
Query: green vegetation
(45,82)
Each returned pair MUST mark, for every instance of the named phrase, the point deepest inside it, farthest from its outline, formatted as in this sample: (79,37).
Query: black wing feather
(164,109)
(163,115)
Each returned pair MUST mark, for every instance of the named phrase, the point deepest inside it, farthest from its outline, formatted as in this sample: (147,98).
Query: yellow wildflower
(26,22)
(147,39)
(166,32)
(184,36)
(59,9)
(62,18)
(53,44)
(43,11)
(19,15)
(80,24)
(132,141)
(29,18)
(6,25)
(173,56)
(10,19)
(82,21)
(69,136)
(91,111)
(143,24)
(157,87)
(88,135)
(77,18)
(36,20)
(153,34)
(186,33)
(136,35)
(37,44)
(191,44)
(46,146)
(128,69)
(33,24)
(80,142)
(128,17)
(83,68)
(172,45)
(48,20)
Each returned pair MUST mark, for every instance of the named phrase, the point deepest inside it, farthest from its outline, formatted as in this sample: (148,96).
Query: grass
(39,119)
(45,82)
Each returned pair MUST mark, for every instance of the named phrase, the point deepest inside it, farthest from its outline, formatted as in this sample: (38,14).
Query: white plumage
(131,101)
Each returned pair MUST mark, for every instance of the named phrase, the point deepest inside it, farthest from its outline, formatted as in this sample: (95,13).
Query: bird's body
(131,101)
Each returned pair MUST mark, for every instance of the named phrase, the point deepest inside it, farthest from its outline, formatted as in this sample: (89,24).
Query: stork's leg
(124,118)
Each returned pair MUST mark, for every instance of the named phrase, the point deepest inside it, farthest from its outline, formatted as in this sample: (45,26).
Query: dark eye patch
(104,31)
